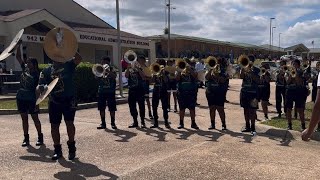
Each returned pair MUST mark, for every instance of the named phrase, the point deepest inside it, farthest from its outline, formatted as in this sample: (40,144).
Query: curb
(80,107)
(283,133)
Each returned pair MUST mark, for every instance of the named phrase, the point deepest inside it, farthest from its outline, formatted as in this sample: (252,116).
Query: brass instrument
(170,69)
(211,62)
(130,57)
(101,70)
(244,61)
(181,65)
(156,68)
(263,71)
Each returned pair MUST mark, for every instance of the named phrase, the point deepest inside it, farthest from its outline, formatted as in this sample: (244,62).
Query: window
(99,54)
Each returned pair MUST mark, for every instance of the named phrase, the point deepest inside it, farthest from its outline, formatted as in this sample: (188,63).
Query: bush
(85,82)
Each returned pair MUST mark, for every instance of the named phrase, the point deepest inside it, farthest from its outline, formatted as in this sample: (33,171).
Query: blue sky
(246,21)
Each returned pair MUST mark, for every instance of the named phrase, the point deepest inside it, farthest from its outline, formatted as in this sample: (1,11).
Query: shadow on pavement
(246,137)
(152,132)
(186,133)
(124,135)
(42,154)
(80,170)
(276,134)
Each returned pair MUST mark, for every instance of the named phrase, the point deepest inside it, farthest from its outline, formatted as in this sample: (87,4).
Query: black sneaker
(212,127)
(26,141)
(289,127)
(57,152)
(154,126)
(167,125)
(181,126)
(246,130)
(134,125)
(224,128)
(143,125)
(113,126)
(194,126)
(102,126)
(40,140)
(72,150)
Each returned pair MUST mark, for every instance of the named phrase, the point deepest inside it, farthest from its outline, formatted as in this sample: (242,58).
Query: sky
(246,21)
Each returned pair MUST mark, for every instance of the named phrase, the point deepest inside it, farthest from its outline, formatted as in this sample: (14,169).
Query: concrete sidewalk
(159,153)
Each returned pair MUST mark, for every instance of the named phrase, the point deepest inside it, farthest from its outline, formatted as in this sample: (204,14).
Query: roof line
(111,34)
(92,14)
(38,10)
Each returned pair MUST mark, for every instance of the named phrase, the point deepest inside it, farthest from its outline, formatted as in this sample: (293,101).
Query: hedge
(85,82)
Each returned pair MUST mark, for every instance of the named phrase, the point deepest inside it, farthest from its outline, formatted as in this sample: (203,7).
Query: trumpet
(101,70)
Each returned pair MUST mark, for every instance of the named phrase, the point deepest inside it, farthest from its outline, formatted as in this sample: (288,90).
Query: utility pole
(270,35)
(119,50)
(169,8)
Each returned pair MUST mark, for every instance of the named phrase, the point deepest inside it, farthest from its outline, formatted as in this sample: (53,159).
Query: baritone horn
(211,62)
(244,61)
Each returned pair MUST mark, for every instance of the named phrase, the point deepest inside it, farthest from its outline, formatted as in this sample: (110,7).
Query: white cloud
(230,20)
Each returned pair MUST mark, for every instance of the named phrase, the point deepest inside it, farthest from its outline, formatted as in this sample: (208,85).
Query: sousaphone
(60,44)
(13,45)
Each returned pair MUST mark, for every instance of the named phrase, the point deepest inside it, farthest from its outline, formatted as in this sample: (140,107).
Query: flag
(312,42)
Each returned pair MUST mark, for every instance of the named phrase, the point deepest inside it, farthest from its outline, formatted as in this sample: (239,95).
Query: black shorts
(172,86)
(216,98)
(27,107)
(187,100)
(249,99)
(65,107)
(296,96)
(264,93)
(107,99)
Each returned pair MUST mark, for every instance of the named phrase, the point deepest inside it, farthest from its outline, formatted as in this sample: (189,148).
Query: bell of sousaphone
(244,61)
(13,45)
(98,70)
(130,57)
(60,44)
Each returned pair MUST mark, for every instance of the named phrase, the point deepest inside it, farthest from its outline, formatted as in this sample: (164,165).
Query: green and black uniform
(249,90)
(136,94)
(160,89)
(26,96)
(216,89)
(62,97)
(264,89)
(187,91)
(296,91)
(107,93)
(280,93)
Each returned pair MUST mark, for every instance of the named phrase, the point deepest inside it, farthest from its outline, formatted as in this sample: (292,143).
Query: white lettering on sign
(112,40)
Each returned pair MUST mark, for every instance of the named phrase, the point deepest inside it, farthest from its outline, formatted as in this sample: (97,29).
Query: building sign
(87,38)
(111,39)
(32,38)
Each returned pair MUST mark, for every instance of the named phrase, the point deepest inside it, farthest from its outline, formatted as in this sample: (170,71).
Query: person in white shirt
(200,67)
(315,117)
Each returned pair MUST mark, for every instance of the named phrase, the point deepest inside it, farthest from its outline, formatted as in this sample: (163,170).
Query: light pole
(270,34)
(279,41)
(169,8)
(119,50)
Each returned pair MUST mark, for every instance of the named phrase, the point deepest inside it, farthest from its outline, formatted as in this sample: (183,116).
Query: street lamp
(279,40)
(270,34)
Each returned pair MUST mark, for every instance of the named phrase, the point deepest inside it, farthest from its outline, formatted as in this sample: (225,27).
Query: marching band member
(248,94)
(187,93)
(146,85)
(26,97)
(216,91)
(281,88)
(172,86)
(264,90)
(61,102)
(161,81)
(297,92)
(315,88)
(136,92)
(107,93)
